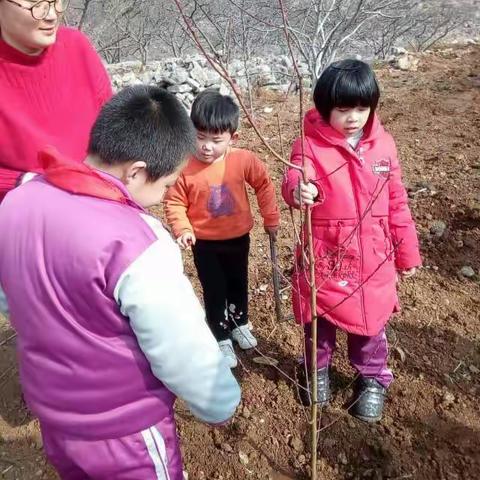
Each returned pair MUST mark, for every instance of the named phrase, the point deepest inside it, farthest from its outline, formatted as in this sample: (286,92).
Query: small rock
(342,458)
(268,110)
(226,447)
(182,88)
(296,444)
(246,413)
(301,459)
(470,242)
(474,369)
(448,399)
(467,272)
(398,51)
(438,228)
(179,75)
(243,457)
(407,63)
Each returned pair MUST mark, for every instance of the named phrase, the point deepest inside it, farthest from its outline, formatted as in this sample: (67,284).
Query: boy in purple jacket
(109,328)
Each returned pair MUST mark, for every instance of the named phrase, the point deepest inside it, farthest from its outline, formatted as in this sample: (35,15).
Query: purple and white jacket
(109,328)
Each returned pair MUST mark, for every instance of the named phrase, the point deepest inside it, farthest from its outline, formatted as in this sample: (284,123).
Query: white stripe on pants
(157,451)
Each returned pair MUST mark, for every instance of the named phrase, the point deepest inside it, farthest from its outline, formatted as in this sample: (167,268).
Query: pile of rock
(186,77)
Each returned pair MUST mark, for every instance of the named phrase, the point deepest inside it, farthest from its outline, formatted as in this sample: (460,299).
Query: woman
(52,86)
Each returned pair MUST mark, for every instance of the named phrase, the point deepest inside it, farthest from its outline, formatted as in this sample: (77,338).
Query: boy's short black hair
(143,123)
(346,84)
(214,112)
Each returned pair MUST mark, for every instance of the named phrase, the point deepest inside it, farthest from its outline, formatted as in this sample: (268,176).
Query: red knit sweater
(50,99)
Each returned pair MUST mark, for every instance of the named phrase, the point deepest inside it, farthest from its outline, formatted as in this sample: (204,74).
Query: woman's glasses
(41,9)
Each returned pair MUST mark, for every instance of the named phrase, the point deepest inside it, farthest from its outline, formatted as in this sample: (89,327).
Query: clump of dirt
(431,427)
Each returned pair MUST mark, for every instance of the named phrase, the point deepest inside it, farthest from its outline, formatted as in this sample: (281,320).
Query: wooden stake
(311,256)
(276,279)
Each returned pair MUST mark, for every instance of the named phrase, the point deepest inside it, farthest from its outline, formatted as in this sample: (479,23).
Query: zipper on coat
(359,153)
(360,247)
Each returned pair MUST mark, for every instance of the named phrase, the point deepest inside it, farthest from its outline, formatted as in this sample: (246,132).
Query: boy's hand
(272,231)
(307,192)
(408,273)
(186,240)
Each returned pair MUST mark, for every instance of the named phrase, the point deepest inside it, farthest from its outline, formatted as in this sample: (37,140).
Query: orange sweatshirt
(211,200)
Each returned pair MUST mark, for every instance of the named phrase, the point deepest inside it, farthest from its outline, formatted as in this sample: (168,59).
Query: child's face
(212,146)
(349,121)
(145,192)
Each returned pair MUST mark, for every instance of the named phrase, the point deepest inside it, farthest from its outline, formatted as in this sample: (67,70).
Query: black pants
(222,267)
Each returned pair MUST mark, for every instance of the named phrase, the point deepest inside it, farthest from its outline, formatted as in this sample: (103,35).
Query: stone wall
(186,77)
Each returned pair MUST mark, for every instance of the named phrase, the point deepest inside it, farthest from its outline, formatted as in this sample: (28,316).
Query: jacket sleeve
(402,226)
(3,302)
(169,324)
(176,205)
(257,177)
(9,179)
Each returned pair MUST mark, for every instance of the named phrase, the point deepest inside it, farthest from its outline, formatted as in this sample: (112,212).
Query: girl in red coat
(363,232)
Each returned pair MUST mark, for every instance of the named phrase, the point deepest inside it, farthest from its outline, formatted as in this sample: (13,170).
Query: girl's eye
(342,109)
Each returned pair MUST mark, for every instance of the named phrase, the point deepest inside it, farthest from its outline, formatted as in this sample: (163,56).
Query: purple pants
(152,454)
(367,355)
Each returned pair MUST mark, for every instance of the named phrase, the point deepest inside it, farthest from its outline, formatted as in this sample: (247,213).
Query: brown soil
(431,427)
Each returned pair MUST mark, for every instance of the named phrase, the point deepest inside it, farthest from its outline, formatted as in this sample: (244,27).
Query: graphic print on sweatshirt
(220,201)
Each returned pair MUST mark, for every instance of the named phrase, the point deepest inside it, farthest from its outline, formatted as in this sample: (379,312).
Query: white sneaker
(244,337)
(226,347)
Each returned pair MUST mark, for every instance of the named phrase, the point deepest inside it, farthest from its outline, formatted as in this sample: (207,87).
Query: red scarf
(78,178)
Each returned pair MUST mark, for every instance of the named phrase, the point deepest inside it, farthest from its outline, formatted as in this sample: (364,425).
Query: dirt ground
(431,427)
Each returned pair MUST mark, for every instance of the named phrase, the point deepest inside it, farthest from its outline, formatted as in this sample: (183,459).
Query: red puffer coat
(362,227)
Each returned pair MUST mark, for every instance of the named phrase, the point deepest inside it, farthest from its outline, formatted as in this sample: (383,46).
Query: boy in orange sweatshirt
(208,209)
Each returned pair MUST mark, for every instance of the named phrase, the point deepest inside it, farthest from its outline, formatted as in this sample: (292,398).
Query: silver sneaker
(244,337)
(226,347)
